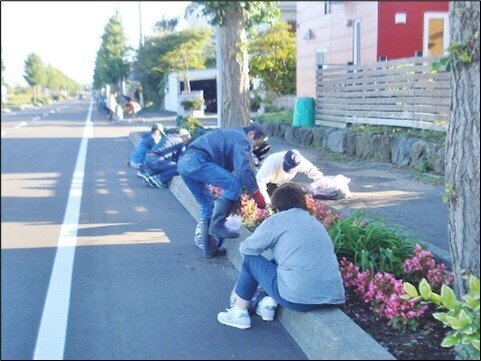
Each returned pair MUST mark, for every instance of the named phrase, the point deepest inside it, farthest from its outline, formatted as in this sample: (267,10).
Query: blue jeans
(257,270)
(164,169)
(198,171)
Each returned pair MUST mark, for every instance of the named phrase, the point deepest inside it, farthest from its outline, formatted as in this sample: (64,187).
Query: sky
(67,34)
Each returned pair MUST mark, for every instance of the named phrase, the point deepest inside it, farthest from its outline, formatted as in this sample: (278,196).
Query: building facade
(358,32)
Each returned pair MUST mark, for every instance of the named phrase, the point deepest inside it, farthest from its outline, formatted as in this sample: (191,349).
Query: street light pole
(141,37)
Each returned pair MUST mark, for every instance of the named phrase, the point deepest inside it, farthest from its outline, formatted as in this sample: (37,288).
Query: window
(321,59)
(436,34)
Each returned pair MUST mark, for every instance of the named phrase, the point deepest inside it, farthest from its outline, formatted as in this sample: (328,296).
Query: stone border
(326,334)
(414,152)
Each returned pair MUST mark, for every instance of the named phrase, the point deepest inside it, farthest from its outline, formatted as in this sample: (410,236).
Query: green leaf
(440,316)
(410,289)
(464,57)
(424,289)
(463,317)
(449,341)
(448,297)
(454,322)
(475,344)
(471,302)
(434,297)
(474,286)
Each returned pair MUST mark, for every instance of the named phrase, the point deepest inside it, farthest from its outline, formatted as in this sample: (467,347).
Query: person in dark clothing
(160,164)
(211,160)
(147,142)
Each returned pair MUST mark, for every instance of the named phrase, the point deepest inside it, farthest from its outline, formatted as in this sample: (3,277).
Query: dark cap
(291,160)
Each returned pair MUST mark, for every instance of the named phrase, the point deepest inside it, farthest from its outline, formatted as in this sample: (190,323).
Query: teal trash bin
(304,110)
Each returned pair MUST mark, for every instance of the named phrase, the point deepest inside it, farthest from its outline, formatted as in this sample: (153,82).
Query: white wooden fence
(404,93)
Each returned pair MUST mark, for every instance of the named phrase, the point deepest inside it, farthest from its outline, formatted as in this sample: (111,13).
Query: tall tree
(111,65)
(35,73)
(151,67)
(274,58)
(190,54)
(233,19)
(462,142)
(166,25)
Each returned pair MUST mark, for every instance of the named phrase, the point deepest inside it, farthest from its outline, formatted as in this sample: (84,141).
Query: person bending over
(160,164)
(137,156)
(211,160)
(280,168)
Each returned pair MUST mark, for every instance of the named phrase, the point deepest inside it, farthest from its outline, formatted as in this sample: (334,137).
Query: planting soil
(422,344)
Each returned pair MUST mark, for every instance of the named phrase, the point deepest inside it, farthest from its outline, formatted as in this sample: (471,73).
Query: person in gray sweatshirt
(304,272)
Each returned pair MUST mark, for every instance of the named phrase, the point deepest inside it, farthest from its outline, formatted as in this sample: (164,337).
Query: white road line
(53,326)
(22,124)
(36,118)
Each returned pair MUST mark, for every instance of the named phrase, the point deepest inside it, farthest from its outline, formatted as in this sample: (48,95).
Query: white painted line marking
(53,326)
(22,124)
(36,118)
(52,111)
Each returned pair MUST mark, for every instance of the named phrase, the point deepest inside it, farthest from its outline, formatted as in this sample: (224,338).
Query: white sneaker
(235,317)
(266,308)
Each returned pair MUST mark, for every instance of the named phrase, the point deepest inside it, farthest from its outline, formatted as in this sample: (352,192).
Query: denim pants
(257,270)
(198,171)
(164,169)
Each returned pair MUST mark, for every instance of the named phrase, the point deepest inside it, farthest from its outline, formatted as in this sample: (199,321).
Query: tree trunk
(234,66)
(186,81)
(462,147)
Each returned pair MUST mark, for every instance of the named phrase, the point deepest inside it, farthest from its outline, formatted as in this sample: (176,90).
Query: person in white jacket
(280,168)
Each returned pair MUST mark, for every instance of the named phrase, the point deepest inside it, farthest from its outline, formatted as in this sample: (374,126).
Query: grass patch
(284,116)
(18,99)
(428,135)
(428,178)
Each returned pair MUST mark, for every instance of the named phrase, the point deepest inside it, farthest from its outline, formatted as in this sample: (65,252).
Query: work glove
(259,199)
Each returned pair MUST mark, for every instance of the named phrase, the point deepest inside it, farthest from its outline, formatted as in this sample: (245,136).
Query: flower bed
(376,262)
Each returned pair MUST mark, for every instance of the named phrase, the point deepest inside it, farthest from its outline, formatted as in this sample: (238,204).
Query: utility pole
(141,37)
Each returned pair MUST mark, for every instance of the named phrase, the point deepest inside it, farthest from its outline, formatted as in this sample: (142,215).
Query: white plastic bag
(233,222)
(331,187)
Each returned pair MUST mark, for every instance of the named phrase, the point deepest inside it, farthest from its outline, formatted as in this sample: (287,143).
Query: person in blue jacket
(160,164)
(211,160)
(137,156)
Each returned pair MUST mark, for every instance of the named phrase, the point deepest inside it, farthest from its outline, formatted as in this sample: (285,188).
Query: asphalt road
(127,281)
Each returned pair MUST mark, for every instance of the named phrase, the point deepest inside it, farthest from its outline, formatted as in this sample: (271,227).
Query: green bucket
(304,110)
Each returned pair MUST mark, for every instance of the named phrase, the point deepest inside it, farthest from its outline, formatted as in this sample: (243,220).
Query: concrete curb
(327,334)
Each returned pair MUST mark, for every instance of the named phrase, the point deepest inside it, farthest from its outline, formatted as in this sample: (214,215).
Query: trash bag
(331,187)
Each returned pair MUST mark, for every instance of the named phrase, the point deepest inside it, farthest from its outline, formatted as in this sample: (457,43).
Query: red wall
(402,40)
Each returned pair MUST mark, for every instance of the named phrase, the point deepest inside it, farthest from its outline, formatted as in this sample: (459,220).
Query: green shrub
(193,125)
(371,245)
(255,103)
(192,104)
(281,117)
(462,316)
